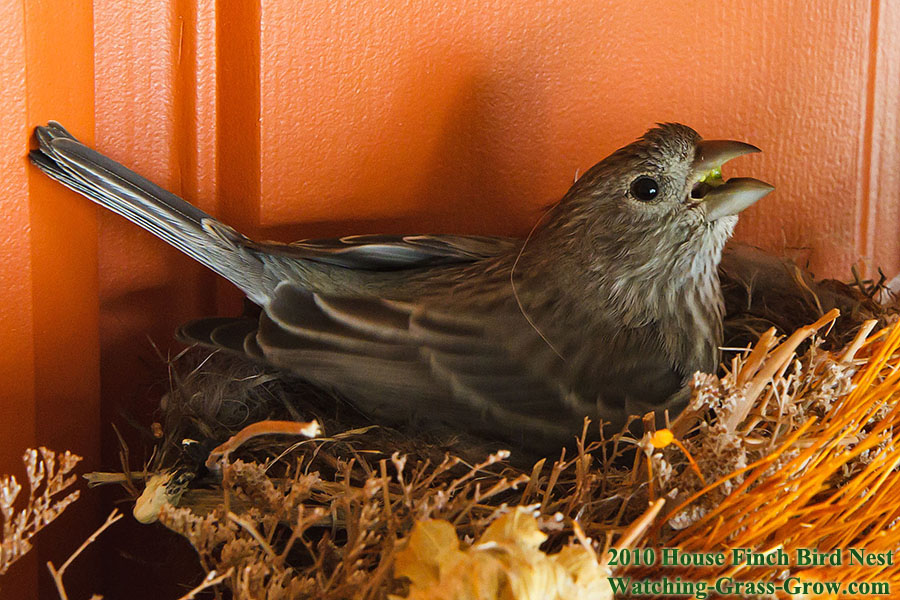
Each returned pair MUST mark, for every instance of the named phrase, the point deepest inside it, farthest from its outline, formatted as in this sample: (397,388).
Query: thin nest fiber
(792,446)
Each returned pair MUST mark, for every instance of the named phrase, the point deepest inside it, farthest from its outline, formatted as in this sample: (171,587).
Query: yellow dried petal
(515,527)
(662,438)
(147,506)
(589,577)
(432,546)
(505,564)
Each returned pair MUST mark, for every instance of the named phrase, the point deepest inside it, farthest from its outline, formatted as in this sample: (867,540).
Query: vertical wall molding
(880,228)
(237,124)
(17,426)
(48,319)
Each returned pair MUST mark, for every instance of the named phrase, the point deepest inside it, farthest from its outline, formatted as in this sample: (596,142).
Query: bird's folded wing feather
(388,253)
(398,360)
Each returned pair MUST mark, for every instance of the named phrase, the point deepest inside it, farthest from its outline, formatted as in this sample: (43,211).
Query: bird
(604,310)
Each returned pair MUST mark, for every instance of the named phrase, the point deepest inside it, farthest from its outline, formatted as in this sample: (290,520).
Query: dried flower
(505,562)
(48,477)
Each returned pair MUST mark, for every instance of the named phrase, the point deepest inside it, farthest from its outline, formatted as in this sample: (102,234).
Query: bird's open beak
(717,197)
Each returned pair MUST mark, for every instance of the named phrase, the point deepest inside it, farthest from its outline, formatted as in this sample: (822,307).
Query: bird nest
(286,491)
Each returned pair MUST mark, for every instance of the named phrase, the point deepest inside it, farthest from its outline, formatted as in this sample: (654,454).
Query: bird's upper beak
(717,197)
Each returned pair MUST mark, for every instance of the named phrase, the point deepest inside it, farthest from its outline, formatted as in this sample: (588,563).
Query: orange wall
(49,341)
(317,118)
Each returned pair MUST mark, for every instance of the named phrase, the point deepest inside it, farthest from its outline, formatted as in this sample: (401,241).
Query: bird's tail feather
(144,203)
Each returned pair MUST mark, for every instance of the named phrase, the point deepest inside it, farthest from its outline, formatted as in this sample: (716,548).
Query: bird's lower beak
(717,197)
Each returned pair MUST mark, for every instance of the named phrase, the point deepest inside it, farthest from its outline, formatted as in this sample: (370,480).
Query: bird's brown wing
(401,362)
(392,252)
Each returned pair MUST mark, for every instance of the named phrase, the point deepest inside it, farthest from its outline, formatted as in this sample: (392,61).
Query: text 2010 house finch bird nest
(614,297)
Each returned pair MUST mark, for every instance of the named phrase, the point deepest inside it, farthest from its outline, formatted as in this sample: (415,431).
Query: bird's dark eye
(644,188)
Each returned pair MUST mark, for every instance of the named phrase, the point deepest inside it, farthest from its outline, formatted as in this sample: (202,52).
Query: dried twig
(212,579)
(57,574)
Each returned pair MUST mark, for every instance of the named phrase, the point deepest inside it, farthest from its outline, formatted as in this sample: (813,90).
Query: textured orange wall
(468,117)
(49,343)
(292,119)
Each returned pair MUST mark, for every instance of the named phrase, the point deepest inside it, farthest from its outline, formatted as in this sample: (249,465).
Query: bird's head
(670,177)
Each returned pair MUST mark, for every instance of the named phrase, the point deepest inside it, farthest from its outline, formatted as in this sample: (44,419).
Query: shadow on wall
(459,169)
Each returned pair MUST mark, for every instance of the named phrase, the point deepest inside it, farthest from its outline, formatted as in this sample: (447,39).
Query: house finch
(604,310)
